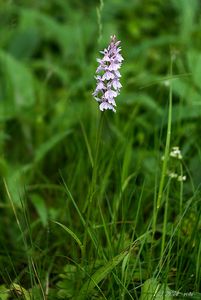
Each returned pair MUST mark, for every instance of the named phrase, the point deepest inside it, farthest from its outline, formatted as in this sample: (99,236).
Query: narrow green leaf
(40,207)
(74,236)
(99,275)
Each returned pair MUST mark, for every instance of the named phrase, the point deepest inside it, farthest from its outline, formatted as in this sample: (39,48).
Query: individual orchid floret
(108,85)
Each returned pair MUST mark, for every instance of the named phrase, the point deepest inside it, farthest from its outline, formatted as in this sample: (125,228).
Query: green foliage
(99,183)
(4,292)
(99,275)
(152,290)
(20,291)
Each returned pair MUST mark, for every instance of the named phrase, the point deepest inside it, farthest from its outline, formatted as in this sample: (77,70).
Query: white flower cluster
(174,175)
(176,153)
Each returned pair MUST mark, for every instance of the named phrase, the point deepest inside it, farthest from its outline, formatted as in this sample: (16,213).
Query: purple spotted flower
(108,85)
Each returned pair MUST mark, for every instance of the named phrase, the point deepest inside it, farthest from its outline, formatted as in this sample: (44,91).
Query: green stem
(164,225)
(158,200)
(95,166)
(167,146)
(92,189)
(181,190)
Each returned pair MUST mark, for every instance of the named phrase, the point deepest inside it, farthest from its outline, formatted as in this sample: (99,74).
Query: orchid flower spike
(108,85)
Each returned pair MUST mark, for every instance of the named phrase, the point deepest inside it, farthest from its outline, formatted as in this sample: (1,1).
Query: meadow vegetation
(100,205)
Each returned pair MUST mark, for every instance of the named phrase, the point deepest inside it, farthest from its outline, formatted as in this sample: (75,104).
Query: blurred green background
(48,51)
(48,117)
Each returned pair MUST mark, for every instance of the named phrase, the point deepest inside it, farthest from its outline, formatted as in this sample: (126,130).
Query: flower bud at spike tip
(108,84)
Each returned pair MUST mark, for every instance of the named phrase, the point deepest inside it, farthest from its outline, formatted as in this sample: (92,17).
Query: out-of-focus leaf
(47,146)
(40,207)
(24,43)
(186,91)
(183,113)
(187,10)
(14,184)
(19,80)
(49,28)
(4,292)
(194,61)
(144,101)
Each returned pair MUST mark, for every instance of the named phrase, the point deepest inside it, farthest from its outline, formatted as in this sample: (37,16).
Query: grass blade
(72,234)
(100,274)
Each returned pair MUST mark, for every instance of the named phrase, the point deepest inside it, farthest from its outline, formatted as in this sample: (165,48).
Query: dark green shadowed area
(100,205)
